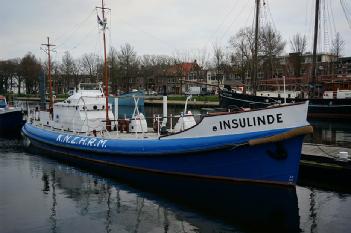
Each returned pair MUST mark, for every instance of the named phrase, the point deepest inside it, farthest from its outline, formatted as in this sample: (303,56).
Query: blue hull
(11,123)
(275,163)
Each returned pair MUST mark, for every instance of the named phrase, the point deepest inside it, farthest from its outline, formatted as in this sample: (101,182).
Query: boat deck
(150,134)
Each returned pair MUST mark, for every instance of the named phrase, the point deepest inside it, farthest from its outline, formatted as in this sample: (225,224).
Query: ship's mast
(255,55)
(102,22)
(315,42)
(48,45)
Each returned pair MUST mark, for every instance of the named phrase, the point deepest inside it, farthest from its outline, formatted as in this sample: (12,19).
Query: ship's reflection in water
(164,205)
(330,133)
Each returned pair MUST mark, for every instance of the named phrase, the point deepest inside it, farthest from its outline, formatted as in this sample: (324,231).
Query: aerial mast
(48,45)
(255,55)
(315,42)
(103,23)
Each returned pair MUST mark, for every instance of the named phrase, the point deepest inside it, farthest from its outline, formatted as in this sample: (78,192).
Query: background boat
(334,107)
(317,108)
(126,103)
(11,120)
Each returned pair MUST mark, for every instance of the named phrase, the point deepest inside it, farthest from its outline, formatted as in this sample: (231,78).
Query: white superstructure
(84,111)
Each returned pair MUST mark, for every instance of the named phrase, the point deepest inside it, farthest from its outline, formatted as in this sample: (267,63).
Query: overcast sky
(155,26)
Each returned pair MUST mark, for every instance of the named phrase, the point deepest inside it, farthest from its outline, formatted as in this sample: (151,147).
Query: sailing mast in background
(255,55)
(315,42)
(102,22)
(48,45)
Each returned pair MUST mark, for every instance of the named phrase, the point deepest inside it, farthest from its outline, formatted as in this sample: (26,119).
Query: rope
(75,29)
(325,152)
(166,44)
(231,10)
(235,19)
(347,11)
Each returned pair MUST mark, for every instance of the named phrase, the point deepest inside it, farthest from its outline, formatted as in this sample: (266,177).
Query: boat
(11,120)
(249,146)
(127,99)
(336,107)
(259,146)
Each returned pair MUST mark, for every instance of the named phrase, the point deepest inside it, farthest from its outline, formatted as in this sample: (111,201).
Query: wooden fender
(283,136)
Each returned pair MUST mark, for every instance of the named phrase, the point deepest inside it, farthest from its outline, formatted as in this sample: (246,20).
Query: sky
(163,27)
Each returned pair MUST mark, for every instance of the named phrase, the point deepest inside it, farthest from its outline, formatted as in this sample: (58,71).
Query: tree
(114,69)
(219,57)
(69,72)
(272,45)
(338,45)
(154,67)
(298,43)
(89,66)
(128,62)
(9,72)
(202,56)
(29,69)
(242,45)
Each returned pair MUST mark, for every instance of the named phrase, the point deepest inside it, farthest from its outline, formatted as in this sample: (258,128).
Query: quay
(323,164)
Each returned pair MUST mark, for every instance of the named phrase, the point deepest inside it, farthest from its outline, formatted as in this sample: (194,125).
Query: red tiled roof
(187,67)
(184,68)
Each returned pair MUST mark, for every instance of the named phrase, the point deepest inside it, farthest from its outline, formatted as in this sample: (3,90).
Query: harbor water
(39,194)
